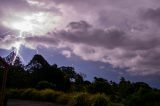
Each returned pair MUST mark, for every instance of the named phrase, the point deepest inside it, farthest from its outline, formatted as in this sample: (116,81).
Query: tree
(44,85)
(125,88)
(18,62)
(18,77)
(100,85)
(69,72)
(78,79)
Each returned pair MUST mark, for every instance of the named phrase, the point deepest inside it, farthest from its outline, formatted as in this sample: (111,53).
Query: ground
(14,102)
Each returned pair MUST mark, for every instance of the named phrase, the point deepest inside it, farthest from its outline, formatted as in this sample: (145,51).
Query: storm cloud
(152,15)
(124,33)
(120,48)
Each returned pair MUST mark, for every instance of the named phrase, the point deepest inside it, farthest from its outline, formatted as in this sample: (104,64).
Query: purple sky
(105,38)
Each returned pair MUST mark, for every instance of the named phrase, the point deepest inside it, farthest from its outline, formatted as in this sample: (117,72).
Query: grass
(100,100)
(80,100)
(70,99)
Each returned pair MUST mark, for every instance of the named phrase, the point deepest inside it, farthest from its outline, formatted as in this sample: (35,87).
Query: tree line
(39,74)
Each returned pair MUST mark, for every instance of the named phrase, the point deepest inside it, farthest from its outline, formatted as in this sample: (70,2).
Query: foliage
(100,85)
(66,86)
(80,100)
(34,94)
(100,100)
(44,85)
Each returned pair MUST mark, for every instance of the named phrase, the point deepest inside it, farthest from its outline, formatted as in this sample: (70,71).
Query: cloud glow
(124,33)
(35,23)
(23,26)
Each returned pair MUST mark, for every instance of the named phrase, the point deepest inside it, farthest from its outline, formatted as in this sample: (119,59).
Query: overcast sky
(105,38)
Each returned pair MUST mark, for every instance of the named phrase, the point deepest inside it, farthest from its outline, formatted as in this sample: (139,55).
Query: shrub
(26,94)
(71,99)
(35,95)
(100,100)
(64,98)
(30,93)
(50,95)
(14,93)
(80,100)
(44,85)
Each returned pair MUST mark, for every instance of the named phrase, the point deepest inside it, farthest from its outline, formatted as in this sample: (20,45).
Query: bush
(44,85)
(27,94)
(35,95)
(72,99)
(64,98)
(80,100)
(50,95)
(100,100)
(14,93)
(42,95)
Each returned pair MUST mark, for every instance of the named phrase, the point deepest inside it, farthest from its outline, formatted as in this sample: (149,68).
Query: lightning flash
(35,24)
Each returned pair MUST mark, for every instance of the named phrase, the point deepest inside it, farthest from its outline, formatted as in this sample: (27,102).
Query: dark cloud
(109,38)
(78,26)
(96,37)
(111,33)
(152,15)
(3,31)
(42,40)
(119,48)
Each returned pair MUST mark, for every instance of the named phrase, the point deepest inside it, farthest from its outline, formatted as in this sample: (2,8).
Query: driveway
(14,102)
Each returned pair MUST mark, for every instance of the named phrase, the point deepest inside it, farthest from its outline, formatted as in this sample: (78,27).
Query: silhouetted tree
(125,87)
(100,85)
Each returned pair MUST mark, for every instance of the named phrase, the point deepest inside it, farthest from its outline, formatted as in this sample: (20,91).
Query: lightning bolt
(17,47)
(30,24)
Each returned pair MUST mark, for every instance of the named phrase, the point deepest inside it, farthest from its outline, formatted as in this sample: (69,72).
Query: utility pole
(4,80)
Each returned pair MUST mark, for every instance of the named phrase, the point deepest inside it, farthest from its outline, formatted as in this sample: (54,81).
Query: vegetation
(41,81)
(72,99)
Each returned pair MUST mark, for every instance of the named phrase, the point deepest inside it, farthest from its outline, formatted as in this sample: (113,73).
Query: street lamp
(3,89)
